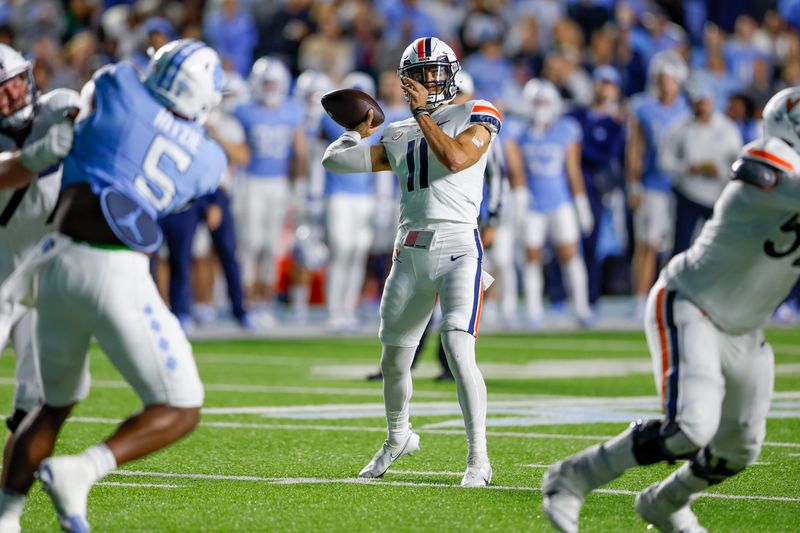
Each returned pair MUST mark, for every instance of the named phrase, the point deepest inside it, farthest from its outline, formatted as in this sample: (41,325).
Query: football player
(350,206)
(650,189)
(545,157)
(25,118)
(439,156)
(139,154)
(704,318)
(273,126)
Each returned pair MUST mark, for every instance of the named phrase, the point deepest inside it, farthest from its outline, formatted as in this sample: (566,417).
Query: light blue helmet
(186,76)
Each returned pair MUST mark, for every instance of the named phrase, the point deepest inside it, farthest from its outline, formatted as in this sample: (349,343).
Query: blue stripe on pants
(477,289)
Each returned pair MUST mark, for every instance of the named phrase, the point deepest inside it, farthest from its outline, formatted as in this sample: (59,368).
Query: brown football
(348,107)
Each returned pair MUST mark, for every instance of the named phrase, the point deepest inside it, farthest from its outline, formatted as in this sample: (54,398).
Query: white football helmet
(464,83)
(12,64)
(186,76)
(269,81)
(235,91)
(432,63)
(361,81)
(781,117)
(311,85)
(543,101)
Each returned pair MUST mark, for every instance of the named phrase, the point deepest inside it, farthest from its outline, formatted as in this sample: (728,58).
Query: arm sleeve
(347,155)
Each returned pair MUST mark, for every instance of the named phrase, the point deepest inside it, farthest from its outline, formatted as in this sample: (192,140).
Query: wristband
(419,111)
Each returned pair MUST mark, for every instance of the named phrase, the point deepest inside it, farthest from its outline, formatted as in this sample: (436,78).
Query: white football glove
(585,216)
(50,149)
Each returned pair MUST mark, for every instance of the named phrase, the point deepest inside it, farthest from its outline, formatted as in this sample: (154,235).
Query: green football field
(288,424)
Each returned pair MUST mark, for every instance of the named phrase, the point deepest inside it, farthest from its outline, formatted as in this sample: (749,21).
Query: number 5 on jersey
(156,185)
(417,163)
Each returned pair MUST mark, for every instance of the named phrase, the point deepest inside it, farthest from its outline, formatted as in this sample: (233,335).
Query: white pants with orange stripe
(451,269)
(715,385)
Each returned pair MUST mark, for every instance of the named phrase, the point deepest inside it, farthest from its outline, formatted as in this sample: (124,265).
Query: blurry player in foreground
(703,323)
(25,122)
(139,154)
(439,157)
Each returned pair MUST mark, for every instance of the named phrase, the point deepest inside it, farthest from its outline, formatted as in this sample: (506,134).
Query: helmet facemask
(438,77)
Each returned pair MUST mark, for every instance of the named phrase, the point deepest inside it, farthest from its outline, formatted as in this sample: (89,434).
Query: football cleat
(388,454)
(67,481)
(664,515)
(564,488)
(478,474)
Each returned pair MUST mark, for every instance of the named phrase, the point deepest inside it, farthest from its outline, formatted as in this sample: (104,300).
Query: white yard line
(371,429)
(143,485)
(368,482)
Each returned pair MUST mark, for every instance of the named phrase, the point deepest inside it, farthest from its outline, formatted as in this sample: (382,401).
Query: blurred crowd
(661,96)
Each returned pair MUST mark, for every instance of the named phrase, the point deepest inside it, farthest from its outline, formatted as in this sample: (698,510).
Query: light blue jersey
(134,145)
(361,183)
(545,155)
(654,117)
(270,136)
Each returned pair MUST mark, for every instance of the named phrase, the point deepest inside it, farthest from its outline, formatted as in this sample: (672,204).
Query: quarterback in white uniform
(24,211)
(703,323)
(439,157)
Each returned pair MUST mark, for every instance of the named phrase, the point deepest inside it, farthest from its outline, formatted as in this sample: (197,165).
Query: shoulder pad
(773,152)
(484,112)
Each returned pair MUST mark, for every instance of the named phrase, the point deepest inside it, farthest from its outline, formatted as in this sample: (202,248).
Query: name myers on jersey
(185,134)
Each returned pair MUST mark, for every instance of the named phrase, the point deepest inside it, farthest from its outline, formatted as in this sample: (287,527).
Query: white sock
(578,285)
(355,281)
(101,458)
(460,349)
(680,487)
(508,289)
(396,369)
(336,285)
(11,505)
(533,280)
(298,294)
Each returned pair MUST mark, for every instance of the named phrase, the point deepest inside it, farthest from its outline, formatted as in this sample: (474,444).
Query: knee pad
(13,421)
(656,440)
(712,468)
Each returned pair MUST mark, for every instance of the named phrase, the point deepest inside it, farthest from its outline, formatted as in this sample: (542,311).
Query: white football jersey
(430,193)
(747,258)
(24,212)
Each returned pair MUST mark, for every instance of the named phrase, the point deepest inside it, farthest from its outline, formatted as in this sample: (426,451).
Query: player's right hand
(50,149)
(365,128)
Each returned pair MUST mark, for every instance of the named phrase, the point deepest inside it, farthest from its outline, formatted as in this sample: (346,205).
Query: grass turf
(292,468)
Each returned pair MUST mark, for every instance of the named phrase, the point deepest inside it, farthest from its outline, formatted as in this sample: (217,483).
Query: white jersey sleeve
(747,258)
(24,212)
(430,193)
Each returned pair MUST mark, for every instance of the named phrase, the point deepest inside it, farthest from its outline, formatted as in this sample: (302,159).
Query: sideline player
(650,189)
(704,320)
(140,155)
(546,158)
(439,156)
(24,212)
(273,125)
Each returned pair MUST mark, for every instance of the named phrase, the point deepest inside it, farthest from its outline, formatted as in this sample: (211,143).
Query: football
(348,107)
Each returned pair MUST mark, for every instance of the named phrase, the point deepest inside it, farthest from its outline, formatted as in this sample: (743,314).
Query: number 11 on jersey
(417,151)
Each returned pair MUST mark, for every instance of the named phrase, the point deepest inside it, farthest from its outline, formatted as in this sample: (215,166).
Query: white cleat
(564,489)
(478,474)
(387,455)
(663,514)
(66,480)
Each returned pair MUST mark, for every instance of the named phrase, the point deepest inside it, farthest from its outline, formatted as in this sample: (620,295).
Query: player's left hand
(417,93)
